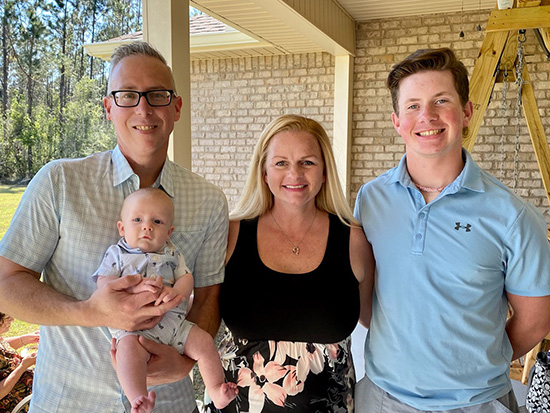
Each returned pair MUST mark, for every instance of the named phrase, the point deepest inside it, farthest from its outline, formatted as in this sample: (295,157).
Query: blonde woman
(295,262)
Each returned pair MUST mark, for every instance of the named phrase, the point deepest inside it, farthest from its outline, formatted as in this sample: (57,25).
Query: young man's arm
(529,323)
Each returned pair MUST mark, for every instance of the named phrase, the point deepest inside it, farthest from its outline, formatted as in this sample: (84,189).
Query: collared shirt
(120,259)
(437,338)
(64,223)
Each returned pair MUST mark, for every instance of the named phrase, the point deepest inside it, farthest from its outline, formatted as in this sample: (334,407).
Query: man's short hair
(429,59)
(134,49)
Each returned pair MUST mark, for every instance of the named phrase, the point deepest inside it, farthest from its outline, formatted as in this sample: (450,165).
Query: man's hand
(166,365)
(113,306)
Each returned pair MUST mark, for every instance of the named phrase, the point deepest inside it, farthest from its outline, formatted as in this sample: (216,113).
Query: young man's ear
(395,121)
(468,112)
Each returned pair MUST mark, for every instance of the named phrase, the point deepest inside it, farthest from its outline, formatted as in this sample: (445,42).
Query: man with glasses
(66,220)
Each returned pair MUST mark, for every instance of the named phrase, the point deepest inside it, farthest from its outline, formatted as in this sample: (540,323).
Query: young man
(67,219)
(453,248)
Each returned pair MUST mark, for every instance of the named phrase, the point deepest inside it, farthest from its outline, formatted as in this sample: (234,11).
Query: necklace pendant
(296,251)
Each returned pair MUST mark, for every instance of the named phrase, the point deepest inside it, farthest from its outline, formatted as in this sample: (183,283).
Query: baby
(145,248)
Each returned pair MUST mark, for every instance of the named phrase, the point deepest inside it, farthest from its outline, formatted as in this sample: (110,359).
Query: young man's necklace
(295,248)
(430,189)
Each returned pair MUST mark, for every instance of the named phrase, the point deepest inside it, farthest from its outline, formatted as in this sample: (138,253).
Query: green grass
(10,195)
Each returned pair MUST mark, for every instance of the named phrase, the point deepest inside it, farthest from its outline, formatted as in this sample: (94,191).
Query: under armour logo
(466,227)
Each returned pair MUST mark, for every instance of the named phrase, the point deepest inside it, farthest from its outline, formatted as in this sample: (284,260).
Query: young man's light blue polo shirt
(437,339)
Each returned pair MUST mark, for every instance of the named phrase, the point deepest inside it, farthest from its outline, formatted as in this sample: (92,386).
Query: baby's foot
(144,404)
(223,394)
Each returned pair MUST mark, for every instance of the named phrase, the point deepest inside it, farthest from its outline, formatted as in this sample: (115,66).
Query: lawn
(9,199)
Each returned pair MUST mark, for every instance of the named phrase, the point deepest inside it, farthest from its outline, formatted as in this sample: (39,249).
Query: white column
(166,27)
(343,107)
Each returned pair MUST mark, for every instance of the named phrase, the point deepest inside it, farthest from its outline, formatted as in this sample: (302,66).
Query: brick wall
(232,100)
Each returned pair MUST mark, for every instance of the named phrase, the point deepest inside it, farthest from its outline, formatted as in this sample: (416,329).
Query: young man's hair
(429,59)
(134,49)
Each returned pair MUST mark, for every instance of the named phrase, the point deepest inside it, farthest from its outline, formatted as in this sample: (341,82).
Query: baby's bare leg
(200,346)
(132,360)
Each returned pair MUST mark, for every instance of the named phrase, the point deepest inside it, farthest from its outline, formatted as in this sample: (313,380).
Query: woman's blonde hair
(257,198)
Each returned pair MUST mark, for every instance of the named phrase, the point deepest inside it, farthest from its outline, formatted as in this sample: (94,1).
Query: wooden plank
(528,3)
(483,80)
(536,131)
(545,35)
(515,19)
(509,56)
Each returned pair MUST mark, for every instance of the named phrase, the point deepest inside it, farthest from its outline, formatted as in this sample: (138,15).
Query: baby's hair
(149,192)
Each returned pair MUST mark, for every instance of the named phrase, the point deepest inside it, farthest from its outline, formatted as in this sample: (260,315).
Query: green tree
(48,109)
(85,129)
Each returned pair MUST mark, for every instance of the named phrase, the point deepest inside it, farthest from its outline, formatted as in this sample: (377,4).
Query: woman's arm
(7,385)
(20,341)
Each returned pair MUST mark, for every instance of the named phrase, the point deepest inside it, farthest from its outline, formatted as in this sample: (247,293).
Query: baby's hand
(166,295)
(148,284)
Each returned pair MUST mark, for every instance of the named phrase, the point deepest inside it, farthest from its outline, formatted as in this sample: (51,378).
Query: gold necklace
(430,189)
(295,248)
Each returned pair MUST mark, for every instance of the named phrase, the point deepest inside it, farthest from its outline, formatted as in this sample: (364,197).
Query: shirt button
(422,215)
(418,236)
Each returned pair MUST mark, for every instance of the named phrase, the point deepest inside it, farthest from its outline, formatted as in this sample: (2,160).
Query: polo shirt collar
(122,171)
(469,178)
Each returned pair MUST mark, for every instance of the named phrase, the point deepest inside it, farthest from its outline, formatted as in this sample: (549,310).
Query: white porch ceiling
(302,26)
(362,10)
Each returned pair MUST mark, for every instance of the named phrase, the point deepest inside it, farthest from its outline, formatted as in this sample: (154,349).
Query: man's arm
(529,323)
(205,311)
(24,297)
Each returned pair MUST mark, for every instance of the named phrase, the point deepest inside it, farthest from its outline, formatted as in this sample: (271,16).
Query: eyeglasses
(131,98)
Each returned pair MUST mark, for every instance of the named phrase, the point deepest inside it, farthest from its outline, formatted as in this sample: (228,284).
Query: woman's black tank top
(321,306)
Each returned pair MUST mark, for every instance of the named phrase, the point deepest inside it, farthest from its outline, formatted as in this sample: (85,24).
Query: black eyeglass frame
(143,94)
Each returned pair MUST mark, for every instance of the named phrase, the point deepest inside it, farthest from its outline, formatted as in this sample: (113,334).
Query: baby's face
(146,224)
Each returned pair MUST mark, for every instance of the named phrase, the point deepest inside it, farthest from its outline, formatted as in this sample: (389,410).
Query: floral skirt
(283,376)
